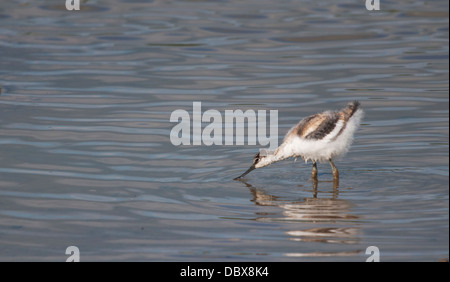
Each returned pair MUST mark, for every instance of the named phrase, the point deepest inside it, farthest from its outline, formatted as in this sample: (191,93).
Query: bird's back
(350,110)
(325,135)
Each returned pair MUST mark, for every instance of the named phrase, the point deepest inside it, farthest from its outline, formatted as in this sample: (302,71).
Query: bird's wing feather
(317,127)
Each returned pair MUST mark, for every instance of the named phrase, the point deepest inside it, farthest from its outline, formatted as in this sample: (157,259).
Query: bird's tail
(351,109)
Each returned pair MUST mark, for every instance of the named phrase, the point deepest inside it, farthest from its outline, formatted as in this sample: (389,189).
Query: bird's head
(261,159)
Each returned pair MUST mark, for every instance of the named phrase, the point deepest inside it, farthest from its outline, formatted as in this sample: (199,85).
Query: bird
(320,137)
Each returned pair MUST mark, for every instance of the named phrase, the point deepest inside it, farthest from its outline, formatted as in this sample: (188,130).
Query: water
(86,159)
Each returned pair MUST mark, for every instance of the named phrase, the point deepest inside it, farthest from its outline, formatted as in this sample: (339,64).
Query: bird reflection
(326,219)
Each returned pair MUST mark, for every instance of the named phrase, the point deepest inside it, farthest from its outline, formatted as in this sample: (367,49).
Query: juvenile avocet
(320,137)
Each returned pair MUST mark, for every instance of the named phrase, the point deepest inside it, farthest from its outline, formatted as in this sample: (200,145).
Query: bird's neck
(281,153)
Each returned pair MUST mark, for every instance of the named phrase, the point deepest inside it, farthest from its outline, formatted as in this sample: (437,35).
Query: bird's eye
(256,159)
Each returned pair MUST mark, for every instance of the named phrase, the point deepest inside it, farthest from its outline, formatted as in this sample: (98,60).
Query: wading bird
(319,138)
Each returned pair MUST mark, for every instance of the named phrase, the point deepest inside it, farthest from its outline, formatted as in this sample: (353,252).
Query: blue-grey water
(85,152)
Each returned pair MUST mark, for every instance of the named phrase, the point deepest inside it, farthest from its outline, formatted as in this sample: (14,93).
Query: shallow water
(86,159)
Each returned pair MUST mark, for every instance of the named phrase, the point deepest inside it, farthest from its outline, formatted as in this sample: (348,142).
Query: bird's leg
(315,183)
(335,188)
(314,171)
(335,171)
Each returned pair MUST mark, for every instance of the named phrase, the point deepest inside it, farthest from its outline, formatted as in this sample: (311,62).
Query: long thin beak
(245,173)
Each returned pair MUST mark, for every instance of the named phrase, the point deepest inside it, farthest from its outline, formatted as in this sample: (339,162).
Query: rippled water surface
(86,158)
